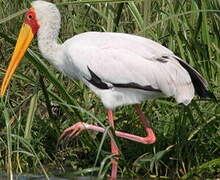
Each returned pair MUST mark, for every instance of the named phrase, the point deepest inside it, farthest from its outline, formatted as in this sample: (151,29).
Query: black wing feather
(198,82)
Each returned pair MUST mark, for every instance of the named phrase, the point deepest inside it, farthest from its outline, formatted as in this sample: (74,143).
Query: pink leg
(151,138)
(75,129)
(80,126)
(114,147)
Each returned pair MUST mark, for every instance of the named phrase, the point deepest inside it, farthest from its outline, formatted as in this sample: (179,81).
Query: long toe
(71,132)
(63,136)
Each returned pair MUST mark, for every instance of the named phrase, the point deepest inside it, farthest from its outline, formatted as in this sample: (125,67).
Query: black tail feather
(198,81)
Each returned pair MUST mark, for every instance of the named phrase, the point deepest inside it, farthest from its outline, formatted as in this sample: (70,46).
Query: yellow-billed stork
(119,68)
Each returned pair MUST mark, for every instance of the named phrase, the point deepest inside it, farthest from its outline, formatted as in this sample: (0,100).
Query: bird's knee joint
(150,140)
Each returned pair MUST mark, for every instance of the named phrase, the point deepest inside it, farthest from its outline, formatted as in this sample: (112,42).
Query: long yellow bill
(24,39)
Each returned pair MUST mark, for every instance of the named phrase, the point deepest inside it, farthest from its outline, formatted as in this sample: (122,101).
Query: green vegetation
(42,102)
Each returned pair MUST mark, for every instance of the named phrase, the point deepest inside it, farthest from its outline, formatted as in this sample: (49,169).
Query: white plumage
(123,58)
(114,58)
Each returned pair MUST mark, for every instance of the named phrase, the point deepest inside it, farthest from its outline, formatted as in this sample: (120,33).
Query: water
(39,177)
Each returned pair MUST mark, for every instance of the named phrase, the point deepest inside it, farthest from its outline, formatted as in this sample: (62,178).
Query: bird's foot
(71,132)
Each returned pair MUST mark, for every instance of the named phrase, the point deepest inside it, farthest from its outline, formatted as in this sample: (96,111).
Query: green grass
(42,102)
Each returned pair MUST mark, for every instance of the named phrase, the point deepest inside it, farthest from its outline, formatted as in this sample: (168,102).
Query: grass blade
(30,117)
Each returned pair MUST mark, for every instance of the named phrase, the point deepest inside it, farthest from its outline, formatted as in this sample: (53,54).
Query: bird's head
(41,14)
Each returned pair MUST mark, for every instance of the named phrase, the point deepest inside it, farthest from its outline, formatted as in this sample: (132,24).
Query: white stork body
(115,58)
(118,58)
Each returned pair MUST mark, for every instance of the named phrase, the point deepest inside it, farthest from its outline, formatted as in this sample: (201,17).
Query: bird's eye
(30,16)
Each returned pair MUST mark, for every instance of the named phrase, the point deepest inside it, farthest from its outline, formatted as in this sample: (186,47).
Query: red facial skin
(31,20)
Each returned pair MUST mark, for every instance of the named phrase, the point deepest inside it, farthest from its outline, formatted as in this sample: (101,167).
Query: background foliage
(42,102)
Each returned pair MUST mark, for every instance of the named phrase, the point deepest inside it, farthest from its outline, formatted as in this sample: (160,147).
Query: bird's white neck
(47,42)
(49,19)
